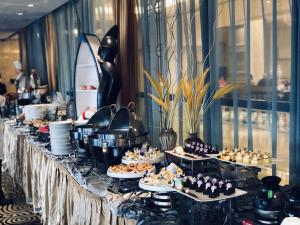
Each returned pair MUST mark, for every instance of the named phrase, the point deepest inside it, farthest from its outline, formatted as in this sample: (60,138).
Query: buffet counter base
(51,188)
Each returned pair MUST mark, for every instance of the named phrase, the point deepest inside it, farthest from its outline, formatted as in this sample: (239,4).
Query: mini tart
(255,160)
(247,158)
(227,158)
(239,157)
(267,158)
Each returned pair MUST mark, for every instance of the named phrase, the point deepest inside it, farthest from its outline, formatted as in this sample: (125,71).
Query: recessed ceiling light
(19,14)
(268,1)
(30,5)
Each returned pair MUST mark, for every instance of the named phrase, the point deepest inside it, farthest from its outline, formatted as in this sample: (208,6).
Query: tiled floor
(19,213)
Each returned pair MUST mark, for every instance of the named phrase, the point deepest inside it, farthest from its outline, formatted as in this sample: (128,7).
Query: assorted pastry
(131,168)
(245,156)
(207,185)
(196,149)
(168,176)
(142,154)
(37,123)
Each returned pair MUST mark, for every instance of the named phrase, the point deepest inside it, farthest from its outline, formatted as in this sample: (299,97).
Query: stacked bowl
(35,112)
(60,138)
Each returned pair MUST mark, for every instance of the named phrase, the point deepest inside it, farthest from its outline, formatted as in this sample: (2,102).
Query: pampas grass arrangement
(196,99)
(163,90)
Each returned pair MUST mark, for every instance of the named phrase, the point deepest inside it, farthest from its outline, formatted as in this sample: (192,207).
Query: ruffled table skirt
(49,186)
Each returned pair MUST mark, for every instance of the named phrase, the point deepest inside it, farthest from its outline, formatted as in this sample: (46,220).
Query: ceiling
(10,22)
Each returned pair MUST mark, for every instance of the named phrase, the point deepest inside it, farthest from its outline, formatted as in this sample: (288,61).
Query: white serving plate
(200,197)
(155,188)
(125,175)
(152,161)
(186,157)
(259,165)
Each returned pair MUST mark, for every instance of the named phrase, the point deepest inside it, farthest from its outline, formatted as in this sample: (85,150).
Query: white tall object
(87,74)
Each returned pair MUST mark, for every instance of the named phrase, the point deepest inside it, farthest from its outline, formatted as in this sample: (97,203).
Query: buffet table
(53,186)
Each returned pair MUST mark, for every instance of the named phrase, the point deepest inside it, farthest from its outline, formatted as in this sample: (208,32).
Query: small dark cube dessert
(200,186)
(214,192)
(229,189)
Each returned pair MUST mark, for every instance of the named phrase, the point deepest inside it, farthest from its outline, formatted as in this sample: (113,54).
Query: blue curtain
(150,61)
(71,20)
(67,32)
(213,117)
(234,73)
(295,96)
(36,49)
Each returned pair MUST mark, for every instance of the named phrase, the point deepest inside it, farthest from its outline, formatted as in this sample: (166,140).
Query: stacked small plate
(60,137)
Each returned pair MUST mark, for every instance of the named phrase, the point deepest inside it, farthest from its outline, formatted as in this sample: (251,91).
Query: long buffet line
(102,169)
(111,157)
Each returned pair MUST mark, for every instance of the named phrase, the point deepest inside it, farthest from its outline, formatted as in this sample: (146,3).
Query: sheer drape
(213,118)
(67,32)
(50,44)
(36,49)
(295,96)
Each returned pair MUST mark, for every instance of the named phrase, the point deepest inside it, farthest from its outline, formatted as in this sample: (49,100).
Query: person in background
(2,93)
(2,87)
(265,81)
(222,81)
(21,79)
(35,80)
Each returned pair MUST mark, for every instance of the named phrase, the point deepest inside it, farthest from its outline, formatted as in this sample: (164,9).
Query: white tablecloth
(51,188)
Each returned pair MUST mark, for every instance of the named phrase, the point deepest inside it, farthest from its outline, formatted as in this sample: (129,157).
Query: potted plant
(196,100)
(163,97)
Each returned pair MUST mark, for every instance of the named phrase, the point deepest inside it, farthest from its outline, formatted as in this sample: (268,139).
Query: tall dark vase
(193,139)
(167,138)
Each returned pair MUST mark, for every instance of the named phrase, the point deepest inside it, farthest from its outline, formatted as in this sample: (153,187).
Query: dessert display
(167,178)
(200,149)
(145,155)
(210,186)
(244,156)
(37,123)
(134,170)
(194,151)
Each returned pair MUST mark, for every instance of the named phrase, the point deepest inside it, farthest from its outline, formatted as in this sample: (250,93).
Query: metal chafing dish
(79,134)
(125,131)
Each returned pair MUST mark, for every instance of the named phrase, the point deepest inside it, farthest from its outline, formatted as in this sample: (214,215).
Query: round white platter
(152,161)
(125,175)
(155,188)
